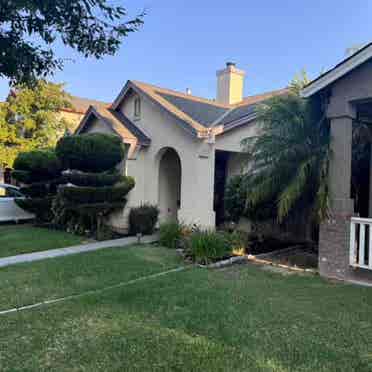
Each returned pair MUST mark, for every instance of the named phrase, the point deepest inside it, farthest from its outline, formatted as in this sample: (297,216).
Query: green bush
(40,170)
(23,176)
(36,166)
(207,246)
(41,207)
(92,179)
(170,234)
(86,195)
(92,152)
(235,198)
(236,205)
(143,219)
(35,190)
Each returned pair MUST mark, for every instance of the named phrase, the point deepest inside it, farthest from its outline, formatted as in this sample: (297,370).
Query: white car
(9,210)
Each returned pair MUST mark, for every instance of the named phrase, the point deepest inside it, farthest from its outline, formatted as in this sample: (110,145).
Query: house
(181,148)
(345,241)
(79,106)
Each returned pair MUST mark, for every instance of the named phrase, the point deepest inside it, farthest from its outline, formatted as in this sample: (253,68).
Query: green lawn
(18,239)
(237,319)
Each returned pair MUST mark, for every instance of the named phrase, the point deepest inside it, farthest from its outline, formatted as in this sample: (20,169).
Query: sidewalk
(38,256)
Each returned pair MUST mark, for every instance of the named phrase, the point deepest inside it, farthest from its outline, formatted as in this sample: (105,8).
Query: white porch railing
(361,242)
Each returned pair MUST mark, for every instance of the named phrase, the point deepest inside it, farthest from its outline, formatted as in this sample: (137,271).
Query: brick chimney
(230,84)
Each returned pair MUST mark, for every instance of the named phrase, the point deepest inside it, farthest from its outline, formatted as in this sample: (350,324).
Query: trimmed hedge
(87,195)
(36,165)
(92,152)
(92,179)
(41,207)
(143,219)
(23,176)
(35,190)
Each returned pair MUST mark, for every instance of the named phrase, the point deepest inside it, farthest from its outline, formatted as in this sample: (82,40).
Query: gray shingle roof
(81,105)
(204,113)
(238,113)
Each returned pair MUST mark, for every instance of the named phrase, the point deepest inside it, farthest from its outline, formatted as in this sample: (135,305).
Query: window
(137,107)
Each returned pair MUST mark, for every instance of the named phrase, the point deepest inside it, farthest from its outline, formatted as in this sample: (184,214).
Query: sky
(183,43)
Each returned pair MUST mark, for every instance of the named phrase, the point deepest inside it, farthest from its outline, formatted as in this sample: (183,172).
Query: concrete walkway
(38,256)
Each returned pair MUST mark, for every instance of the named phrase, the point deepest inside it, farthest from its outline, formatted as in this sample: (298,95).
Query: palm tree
(289,157)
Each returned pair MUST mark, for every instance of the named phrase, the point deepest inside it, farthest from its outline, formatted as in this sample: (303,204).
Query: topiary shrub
(40,207)
(142,219)
(92,179)
(35,190)
(170,234)
(98,189)
(36,165)
(40,171)
(109,194)
(208,246)
(92,152)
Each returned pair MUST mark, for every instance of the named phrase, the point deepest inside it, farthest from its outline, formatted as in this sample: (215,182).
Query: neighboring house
(79,106)
(181,148)
(345,242)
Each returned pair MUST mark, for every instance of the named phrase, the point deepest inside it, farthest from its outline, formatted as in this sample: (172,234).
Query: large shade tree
(30,119)
(30,28)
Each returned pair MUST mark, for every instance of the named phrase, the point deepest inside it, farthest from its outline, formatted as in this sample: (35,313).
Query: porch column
(340,164)
(197,188)
(334,235)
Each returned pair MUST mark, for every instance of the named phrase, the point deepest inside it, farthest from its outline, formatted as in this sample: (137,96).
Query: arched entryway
(169,199)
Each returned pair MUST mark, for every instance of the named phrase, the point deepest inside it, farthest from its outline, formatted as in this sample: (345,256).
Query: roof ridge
(88,99)
(184,95)
(264,94)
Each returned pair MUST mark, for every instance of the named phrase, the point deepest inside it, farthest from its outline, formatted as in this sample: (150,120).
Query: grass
(237,319)
(18,239)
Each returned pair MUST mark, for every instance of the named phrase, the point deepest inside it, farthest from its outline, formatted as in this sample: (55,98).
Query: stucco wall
(197,163)
(231,140)
(357,85)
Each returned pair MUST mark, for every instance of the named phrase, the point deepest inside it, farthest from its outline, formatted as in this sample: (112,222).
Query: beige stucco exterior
(154,175)
(72,118)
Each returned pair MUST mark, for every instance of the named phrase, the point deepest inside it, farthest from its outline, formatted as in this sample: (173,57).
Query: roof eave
(338,71)
(238,123)
(130,85)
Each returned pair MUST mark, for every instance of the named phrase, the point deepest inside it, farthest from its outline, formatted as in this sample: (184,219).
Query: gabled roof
(118,122)
(197,115)
(338,71)
(81,105)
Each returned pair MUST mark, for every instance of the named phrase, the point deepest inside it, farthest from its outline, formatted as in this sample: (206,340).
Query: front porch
(345,239)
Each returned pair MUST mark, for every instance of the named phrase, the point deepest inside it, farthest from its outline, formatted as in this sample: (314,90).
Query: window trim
(137,107)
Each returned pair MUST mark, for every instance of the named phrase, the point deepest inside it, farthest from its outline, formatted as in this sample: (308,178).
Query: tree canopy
(30,119)
(29,28)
